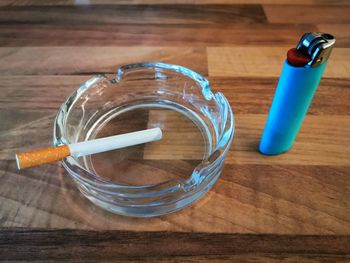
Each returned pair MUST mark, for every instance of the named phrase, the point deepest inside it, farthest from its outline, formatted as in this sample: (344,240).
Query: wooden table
(288,208)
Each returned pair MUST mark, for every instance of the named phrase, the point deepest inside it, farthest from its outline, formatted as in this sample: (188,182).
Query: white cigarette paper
(114,142)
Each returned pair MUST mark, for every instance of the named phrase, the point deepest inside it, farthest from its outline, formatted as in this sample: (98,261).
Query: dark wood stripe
(25,244)
(134,14)
(167,2)
(155,35)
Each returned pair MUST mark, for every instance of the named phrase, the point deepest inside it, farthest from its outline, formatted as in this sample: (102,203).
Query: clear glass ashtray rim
(100,184)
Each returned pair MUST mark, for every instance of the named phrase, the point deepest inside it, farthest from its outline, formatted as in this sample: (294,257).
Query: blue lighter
(301,74)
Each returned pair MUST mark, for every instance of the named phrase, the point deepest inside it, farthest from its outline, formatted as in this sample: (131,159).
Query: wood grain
(181,141)
(288,208)
(340,30)
(307,14)
(170,2)
(154,34)
(133,14)
(157,247)
(246,95)
(265,61)
(15,90)
(19,131)
(90,60)
(280,199)
(253,95)
(322,140)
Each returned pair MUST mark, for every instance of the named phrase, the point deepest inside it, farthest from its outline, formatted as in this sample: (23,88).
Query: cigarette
(48,155)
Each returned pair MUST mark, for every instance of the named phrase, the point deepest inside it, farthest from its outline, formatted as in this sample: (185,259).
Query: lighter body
(300,77)
(293,96)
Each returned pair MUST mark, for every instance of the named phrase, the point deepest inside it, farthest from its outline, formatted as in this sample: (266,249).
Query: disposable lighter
(300,77)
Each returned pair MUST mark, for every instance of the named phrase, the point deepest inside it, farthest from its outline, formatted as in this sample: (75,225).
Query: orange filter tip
(41,156)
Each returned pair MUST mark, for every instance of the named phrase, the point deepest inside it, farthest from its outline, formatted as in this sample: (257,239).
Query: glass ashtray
(159,177)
